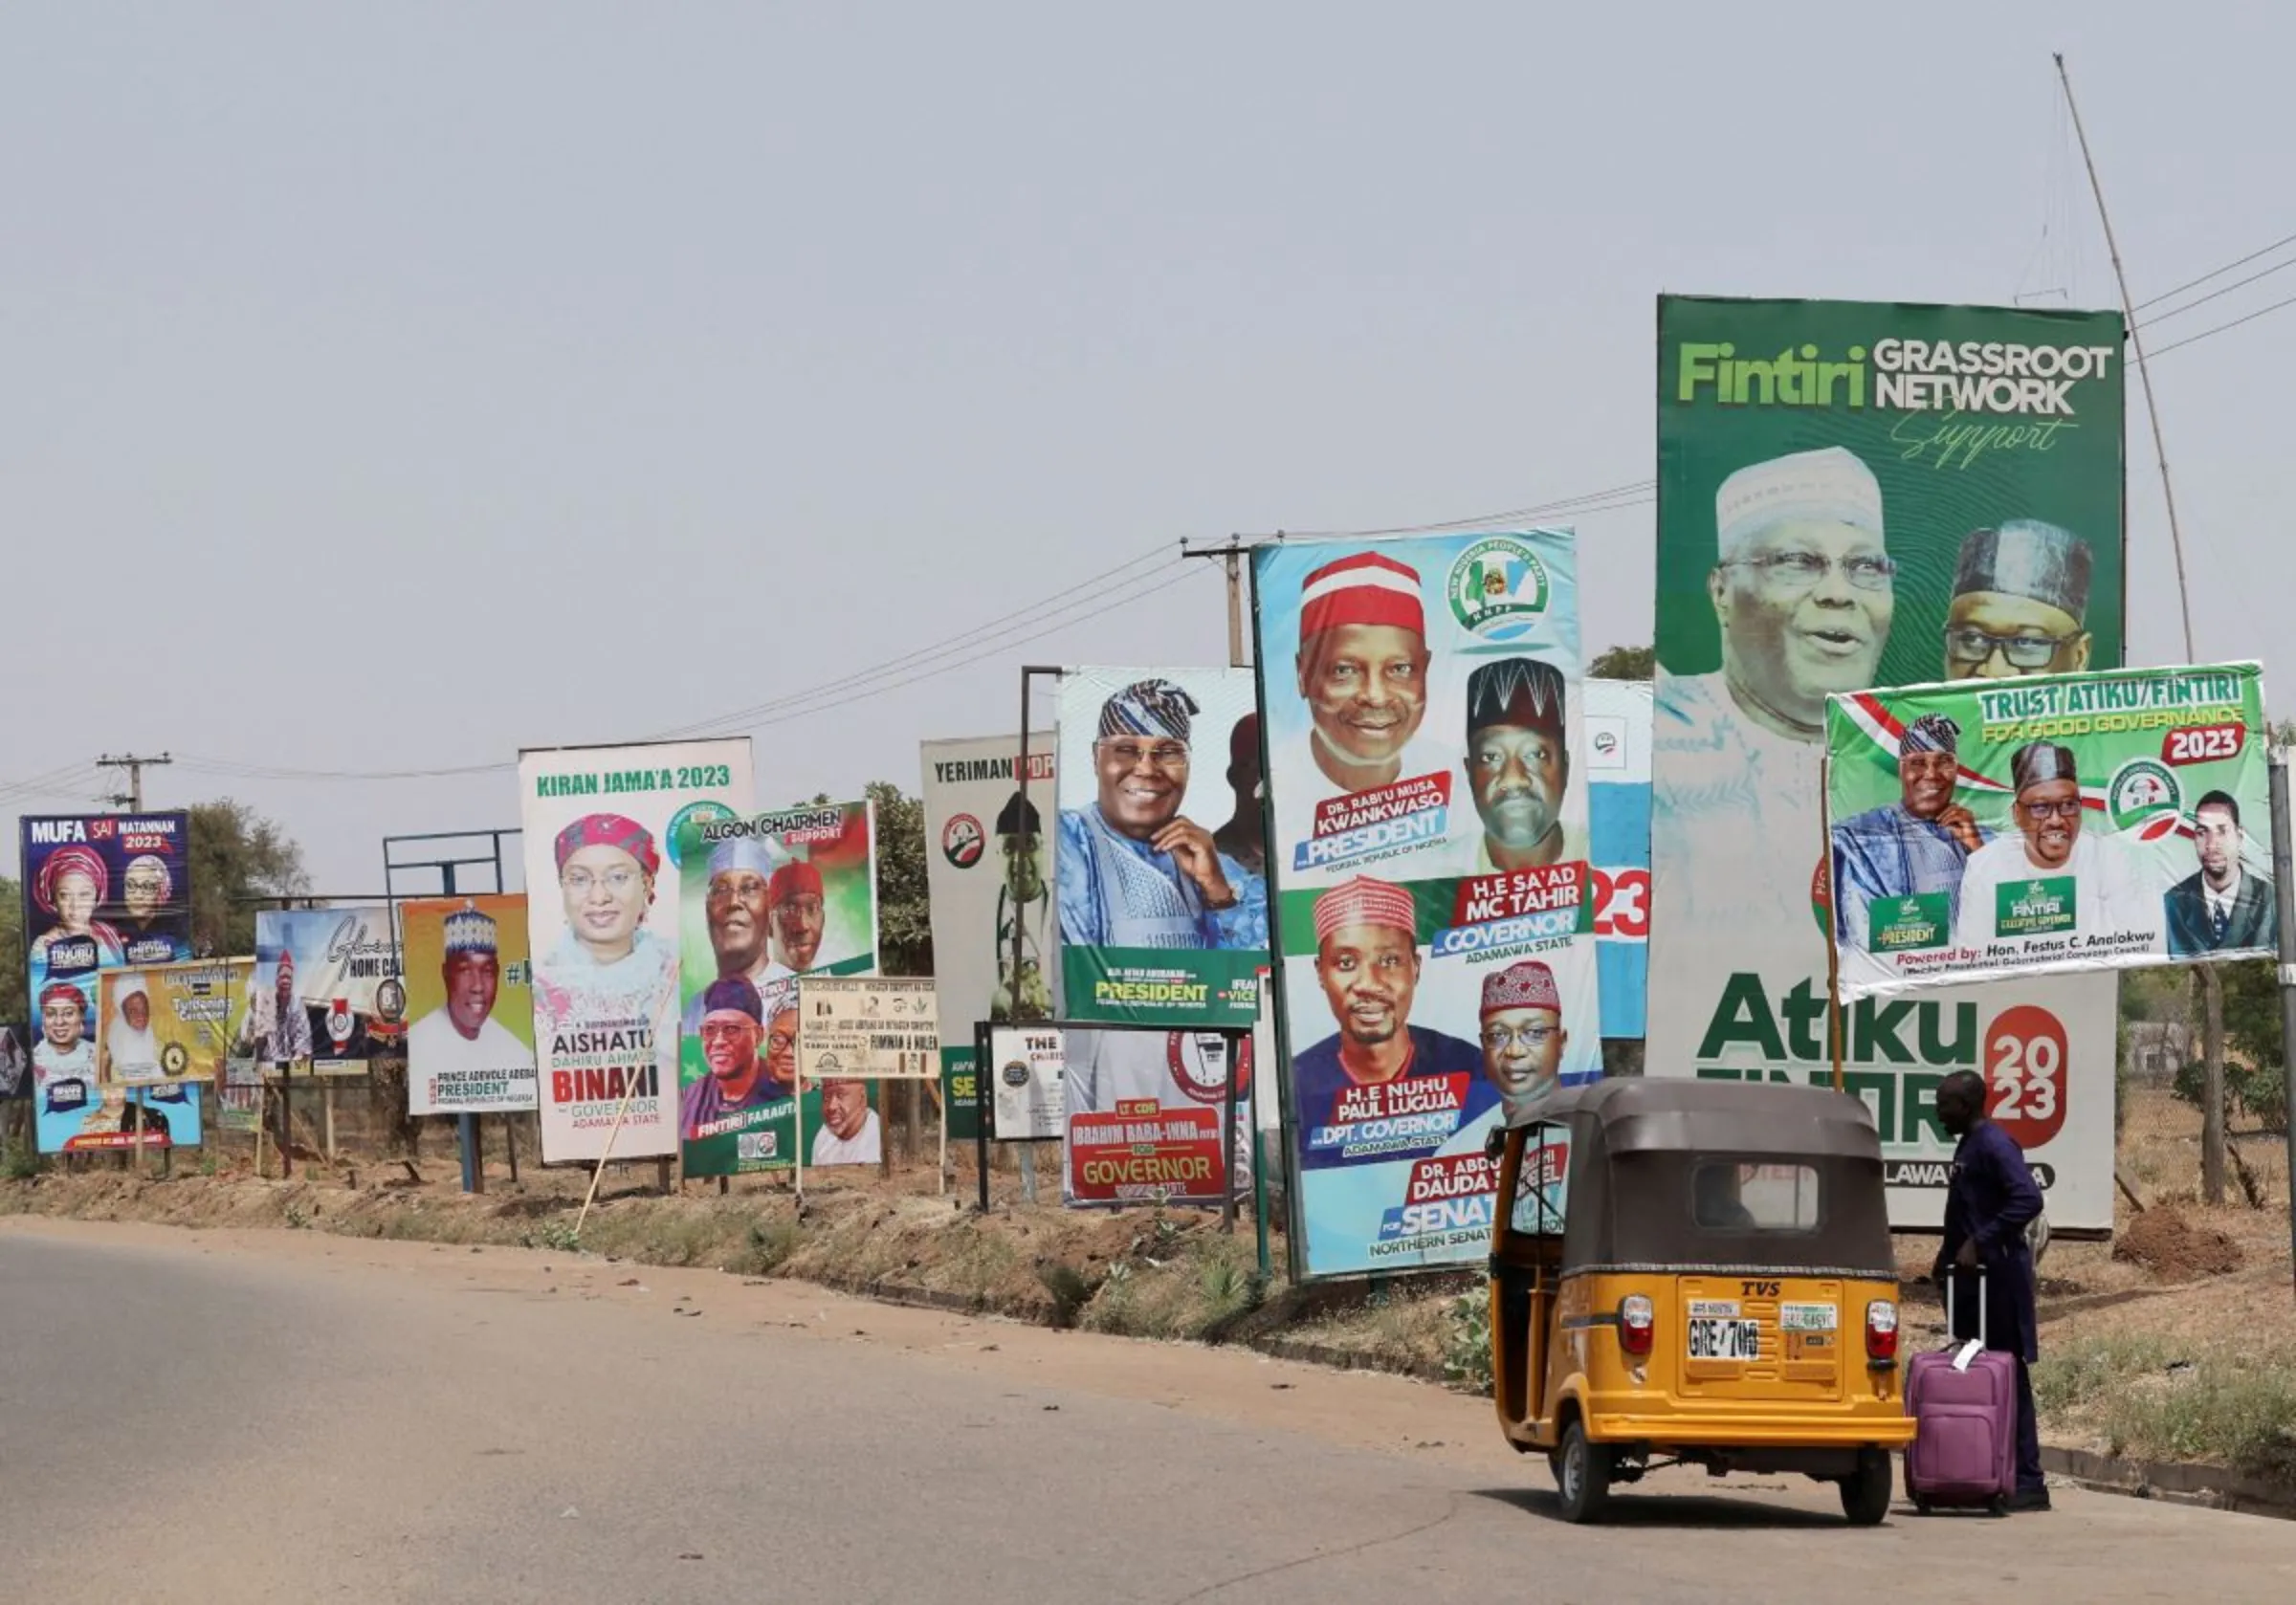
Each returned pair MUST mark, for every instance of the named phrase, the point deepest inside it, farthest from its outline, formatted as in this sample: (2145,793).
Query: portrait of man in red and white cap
(1523,1036)
(797,913)
(1367,959)
(1519,765)
(1362,668)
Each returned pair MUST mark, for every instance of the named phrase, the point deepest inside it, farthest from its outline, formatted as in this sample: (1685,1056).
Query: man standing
(1803,593)
(464,1038)
(1243,837)
(1518,766)
(850,1132)
(2020,595)
(1367,958)
(1914,847)
(733,1021)
(284,1040)
(2051,878)
(1133,872)
(1523,1037)
(1989,1201)
(2221,905)
(738,909)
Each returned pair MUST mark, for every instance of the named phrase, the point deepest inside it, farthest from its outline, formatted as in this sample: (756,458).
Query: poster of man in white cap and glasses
(1434,904)
(1854,497)
(470,1049)
(1158,924)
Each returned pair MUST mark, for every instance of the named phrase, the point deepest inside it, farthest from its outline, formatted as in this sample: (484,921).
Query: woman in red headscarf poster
(600,829)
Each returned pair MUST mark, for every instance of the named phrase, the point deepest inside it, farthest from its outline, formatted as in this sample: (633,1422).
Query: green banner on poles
(1984,829)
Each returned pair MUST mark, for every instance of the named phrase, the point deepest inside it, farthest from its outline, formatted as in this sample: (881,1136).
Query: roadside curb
(2213,1487)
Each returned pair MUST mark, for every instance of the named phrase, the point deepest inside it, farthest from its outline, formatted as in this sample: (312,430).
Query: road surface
(284,1416)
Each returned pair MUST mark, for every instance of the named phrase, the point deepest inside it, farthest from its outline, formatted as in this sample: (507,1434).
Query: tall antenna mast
(2136,343)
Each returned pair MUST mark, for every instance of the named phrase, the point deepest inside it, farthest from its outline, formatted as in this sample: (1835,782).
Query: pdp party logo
(963,841)
(1498,588)
(2141,789)
(701,813)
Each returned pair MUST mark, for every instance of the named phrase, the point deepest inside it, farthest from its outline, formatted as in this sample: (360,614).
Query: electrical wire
(2215,273)
(1610,500)
(2212,294)
(2204,334)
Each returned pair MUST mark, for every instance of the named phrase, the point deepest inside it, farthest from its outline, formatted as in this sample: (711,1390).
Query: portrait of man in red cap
(1363,668)
(798,915)
(1519,765)
(1523,1036)
(1367,959)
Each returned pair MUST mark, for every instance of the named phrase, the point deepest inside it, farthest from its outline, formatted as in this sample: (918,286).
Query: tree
(1625,663)
(13,1005)
(904,915)
(237,858)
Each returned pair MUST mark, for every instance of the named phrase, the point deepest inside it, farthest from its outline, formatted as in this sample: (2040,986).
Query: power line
(2194,340)
(2212,294)
(2214,272)
(1611,500)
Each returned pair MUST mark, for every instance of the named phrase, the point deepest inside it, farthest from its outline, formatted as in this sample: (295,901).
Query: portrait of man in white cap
(1914,847)
(1131,870)
(1367,959)
(1804,593)
(464,1035)
(2050,846)
(128,1050)
(2020,594)
(738,909)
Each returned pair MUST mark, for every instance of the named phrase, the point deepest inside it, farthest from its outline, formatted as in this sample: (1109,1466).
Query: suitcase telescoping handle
(1953,1328)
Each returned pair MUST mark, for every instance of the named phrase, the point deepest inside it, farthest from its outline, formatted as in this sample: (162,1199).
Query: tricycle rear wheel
(1581,1474)
(1866,1491)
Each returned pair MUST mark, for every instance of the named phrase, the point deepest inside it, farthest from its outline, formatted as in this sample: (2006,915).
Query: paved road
(288,1415)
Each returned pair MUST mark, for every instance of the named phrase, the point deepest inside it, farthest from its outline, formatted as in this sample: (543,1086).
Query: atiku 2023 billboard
(1434,952)
(600,831)
(1162,921)
(1854,496)
(2071,821)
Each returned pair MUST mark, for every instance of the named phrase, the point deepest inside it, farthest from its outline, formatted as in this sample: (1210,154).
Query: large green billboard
(1855,495)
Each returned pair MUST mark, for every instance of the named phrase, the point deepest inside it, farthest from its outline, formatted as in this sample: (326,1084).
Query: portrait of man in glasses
(1803,591)
(2049,877)
(1523,1037)
(1131,870)
(2020,594)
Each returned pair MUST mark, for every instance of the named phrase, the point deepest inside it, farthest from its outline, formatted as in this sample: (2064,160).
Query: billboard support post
(1833,941)
(2284,889)
(984,1108)
(1029,673)
(1235,1041)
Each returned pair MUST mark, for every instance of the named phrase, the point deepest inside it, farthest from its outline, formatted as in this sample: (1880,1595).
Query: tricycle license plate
(1715,1339)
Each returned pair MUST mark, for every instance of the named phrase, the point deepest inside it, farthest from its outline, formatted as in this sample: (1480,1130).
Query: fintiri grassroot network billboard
(2068,822)
(1854,496)
(1435,944)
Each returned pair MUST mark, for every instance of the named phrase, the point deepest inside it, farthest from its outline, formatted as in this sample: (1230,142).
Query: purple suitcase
(1964,1449)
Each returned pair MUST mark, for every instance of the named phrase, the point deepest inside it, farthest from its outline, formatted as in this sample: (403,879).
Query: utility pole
(1231,557)
(2211,984)
(132,797)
